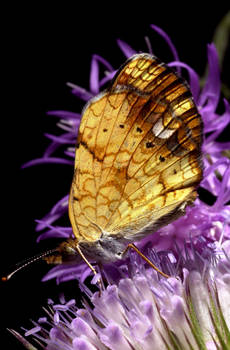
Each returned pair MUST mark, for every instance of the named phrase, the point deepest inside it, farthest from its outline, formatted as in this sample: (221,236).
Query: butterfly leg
(90,266)
(132,246)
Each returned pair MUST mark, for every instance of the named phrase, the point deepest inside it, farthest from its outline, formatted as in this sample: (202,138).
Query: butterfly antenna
(27,262)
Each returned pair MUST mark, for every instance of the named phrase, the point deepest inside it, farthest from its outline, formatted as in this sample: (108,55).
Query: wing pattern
(137,159)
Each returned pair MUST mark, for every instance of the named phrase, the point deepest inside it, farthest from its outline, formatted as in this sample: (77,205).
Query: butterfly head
(67,252)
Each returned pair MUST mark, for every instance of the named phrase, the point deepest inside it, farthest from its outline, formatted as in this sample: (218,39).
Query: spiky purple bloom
(202,224)
(141,311)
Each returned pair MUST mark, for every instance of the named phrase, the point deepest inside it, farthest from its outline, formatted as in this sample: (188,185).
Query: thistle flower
(141,310)
(202,224)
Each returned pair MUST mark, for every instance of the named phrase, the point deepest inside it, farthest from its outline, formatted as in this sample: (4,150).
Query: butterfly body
(138,159)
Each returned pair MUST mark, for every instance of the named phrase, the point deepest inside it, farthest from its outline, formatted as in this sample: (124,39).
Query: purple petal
(60,204)
(211,90)
(54,232)
(46,221)
(104,62)
(218,124)
(107,78)
(70,126)
(126,48)
(47,160)
(33,331)
(94,72)
(59,209)
(81,327)
(174,313)
(51,149)
(218,147)
(82,344)
(80,92)
(213,167)
(215,122)
(70,154)
(42,320)
(114,338)
(64,114)
(165,36)
(68,272)
(193,78)
(49,219)
(94,76)
(67,138)
(224,194)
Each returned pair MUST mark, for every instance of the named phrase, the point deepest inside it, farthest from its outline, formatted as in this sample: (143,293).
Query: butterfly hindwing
(138,152)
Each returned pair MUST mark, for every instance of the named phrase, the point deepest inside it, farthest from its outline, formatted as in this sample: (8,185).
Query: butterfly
(137,162)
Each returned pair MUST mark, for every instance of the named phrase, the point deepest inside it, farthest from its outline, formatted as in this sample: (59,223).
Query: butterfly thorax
(105,249)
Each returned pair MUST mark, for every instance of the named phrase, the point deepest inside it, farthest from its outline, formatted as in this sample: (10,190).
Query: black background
(42,50)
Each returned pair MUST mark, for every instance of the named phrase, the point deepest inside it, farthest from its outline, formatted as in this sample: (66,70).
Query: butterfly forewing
(138,153)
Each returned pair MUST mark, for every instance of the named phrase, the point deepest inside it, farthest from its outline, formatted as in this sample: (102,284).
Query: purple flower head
(141,310)
(203,225)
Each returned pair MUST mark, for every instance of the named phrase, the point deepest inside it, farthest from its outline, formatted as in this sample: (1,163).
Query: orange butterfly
(138,162)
